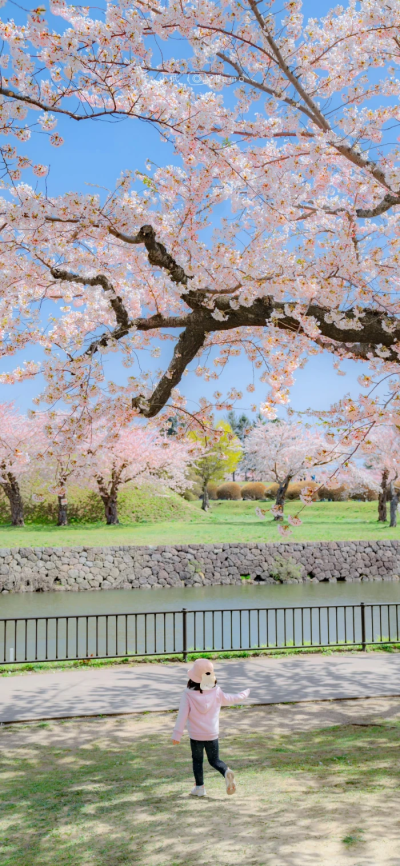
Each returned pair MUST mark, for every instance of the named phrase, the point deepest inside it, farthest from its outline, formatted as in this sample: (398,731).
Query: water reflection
(202,598)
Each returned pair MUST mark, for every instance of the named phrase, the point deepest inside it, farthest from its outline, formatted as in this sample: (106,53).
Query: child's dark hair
(196,686)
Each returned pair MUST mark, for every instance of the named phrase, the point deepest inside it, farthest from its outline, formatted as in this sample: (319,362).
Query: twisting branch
(157,253)
(121,314)
(374,334)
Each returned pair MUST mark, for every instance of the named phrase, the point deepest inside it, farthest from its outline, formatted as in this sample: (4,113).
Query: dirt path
(308,794)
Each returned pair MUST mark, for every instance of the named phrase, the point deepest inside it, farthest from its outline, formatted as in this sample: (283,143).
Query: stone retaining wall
(92,568)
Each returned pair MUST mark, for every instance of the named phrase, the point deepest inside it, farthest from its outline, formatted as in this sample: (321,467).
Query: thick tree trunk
(62,511)
(109,496)
(111,511)
(205,504)
(394,501)
(13,493)
(281,494)
(383,497)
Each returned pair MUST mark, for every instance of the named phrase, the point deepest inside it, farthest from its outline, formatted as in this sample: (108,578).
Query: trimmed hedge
(253,490)
(295,489)
(229,490)
(336,494)
(212,489)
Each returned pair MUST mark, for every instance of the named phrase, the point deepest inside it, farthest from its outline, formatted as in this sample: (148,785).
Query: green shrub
(229,490)
(285,569)
(253,490)
(189,496)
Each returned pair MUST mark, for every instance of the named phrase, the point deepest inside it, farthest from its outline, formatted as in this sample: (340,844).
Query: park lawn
(226,522)
(114,792)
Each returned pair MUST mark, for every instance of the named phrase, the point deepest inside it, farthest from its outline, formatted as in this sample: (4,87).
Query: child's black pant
(212,752)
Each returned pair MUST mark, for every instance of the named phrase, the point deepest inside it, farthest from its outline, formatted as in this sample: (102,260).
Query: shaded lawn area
(115,793)
(227,522)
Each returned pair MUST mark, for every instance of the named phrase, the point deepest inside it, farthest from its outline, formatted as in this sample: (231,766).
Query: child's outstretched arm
(182,718)
(228,700)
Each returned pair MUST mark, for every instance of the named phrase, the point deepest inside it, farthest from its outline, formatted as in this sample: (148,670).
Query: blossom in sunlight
(284,529)
(40,170)
(56,140)
(261,513)
(307,495)
(294,521)
(268,410)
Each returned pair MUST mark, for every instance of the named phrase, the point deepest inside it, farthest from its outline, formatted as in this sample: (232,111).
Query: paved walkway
(108,691)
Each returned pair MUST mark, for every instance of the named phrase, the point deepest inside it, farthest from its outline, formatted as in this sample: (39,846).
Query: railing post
(184,634)
(363,633)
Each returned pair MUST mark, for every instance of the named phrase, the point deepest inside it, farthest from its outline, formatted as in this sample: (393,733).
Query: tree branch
(190,342)
(387,202)
(370,340)
(121,314)
(157,253)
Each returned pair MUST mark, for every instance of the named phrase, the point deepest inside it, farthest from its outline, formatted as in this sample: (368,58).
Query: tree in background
(241,426)
(221,452)
(63,459)
(283,451)
(135,454)
(382,451)
(21,438)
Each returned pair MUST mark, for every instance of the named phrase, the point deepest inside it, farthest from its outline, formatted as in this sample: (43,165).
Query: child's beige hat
(200,668)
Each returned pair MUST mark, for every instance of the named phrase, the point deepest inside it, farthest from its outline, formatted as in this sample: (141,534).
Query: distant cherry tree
(21,439)
(282,452)
(135,454)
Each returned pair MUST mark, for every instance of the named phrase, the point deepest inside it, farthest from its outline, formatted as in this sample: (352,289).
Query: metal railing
(153,633)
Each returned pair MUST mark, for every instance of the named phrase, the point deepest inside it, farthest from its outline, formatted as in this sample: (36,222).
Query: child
(200,706)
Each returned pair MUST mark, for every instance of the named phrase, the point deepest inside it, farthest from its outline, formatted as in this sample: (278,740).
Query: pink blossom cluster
(283,141)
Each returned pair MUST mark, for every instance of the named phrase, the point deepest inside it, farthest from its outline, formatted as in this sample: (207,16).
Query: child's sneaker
(230,782)
(198,791)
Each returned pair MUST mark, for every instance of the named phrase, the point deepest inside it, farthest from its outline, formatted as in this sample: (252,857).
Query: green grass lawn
(115,793)
(227,521)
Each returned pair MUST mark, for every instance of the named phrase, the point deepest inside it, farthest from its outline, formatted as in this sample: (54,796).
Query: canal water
(51,626)
(51,604)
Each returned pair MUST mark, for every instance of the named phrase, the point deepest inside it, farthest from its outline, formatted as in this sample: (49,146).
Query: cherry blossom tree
(20,440)
(382,456)
(62,459)
(281,451)
(272,116)
(135,454)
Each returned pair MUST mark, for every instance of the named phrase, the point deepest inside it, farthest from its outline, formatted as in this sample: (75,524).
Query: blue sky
(95,153)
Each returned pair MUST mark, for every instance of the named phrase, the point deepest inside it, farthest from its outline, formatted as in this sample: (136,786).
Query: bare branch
(387,202)
(190,342)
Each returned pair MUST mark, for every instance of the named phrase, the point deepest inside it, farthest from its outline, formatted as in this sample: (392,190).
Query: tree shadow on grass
(301,798)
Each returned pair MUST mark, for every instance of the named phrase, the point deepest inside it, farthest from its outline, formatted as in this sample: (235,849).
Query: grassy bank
(8,670)
(315,785)
(226,522)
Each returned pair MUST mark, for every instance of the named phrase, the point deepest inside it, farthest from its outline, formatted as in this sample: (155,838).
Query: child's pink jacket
(201,712)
